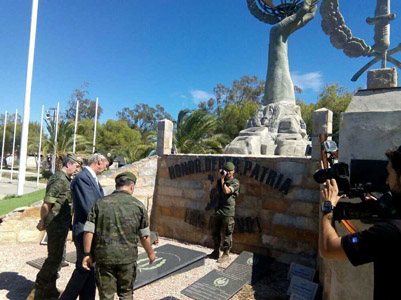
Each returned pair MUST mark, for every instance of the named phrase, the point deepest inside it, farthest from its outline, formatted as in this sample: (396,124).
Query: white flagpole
(40,146)
(75,126)
(55,140)
(2,146)
(27,102)
(94,129)
(12,153)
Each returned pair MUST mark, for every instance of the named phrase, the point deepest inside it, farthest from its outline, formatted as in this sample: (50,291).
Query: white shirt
(92,173)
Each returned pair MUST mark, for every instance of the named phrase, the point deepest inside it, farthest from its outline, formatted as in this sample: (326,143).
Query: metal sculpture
(341,37)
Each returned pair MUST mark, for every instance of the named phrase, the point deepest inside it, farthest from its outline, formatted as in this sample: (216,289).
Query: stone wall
(277,210)
(145,171)
(20,225)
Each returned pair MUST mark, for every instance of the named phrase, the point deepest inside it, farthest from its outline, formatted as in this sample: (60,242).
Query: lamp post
(49,116)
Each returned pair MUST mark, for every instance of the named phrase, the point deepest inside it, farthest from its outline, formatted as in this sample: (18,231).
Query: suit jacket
(85,193)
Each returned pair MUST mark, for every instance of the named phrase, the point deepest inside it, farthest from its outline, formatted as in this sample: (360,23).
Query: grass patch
(9,204)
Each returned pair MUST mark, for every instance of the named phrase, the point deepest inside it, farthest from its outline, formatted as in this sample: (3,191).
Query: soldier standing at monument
(228,190)
(55,218)
(86,190)
(113,227)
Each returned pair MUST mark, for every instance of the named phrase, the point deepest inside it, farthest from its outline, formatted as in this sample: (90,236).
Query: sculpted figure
(277,127)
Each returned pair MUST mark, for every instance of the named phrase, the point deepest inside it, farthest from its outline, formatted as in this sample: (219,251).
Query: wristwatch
(87,254)
(327,207)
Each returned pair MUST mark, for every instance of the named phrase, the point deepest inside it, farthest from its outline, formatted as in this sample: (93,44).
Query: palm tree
(196,133)
(65,138)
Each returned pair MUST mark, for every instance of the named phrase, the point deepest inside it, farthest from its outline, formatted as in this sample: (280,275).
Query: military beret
(228,166)
(126,175)
(74,157)
(107,155)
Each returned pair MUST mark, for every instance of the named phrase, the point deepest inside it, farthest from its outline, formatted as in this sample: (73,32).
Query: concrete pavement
(7,188)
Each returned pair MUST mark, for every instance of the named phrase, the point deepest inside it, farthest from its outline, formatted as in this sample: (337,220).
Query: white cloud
(198,96)
(313,80)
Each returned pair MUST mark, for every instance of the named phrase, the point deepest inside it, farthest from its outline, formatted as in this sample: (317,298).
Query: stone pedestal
(382,78)
(371,125)
(164,137)
(275,129)
(322,124)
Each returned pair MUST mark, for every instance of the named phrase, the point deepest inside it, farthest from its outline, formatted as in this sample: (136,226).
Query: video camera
(367,177)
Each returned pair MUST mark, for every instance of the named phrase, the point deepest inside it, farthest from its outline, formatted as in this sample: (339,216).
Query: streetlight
(49,117)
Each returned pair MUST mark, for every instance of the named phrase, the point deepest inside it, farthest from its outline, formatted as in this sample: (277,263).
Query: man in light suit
(85,192)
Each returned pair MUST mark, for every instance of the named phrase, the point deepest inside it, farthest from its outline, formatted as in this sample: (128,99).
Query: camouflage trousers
(225,225)
(56,238)
(111,279)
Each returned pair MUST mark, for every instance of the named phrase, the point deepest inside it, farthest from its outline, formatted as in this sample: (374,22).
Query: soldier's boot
(36,294)
(51,291)
(225,257)
(215,254)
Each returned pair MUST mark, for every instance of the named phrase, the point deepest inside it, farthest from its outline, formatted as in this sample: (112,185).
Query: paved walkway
(7,188)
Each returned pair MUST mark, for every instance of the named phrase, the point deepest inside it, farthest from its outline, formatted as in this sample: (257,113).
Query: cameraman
(380,244)
(227,190)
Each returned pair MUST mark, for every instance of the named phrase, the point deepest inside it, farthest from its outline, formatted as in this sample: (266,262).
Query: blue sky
(167,52)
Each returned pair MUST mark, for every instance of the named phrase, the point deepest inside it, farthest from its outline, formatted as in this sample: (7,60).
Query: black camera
(222,172)
(367,177)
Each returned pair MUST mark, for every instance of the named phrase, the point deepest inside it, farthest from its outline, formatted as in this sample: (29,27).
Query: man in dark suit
(85,192)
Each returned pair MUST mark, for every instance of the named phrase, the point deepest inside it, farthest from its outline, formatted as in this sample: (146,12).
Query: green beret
(72,156)
(126,175)
(108,156)
(228,166)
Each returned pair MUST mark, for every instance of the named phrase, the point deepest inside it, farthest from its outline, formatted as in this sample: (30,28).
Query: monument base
(369,127)
(275,129)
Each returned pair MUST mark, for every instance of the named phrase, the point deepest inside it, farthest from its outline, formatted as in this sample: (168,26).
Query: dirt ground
(17,277)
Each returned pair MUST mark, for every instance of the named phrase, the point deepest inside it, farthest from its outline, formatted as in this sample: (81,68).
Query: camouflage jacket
(226,203)
(58,193)
(117,221)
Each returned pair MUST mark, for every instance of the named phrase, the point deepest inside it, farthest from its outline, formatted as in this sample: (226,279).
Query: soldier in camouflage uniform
(55,218)
(228,190)
(113,227)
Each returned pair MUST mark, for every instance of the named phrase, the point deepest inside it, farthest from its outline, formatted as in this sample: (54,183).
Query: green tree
(196,133)
(233,117)
(333,97)
(143,117)
(243,90)
(65,139)
(87,107)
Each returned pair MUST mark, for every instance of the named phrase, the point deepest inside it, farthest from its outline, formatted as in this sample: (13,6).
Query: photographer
(380,244)
(228,190)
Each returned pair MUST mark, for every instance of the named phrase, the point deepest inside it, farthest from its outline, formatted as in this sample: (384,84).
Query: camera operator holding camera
(228,190)
(380,244)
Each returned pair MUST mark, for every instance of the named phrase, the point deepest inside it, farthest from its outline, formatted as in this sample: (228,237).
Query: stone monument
(369,126)
(277,127)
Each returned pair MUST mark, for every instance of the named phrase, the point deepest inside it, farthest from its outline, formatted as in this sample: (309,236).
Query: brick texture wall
(276,213)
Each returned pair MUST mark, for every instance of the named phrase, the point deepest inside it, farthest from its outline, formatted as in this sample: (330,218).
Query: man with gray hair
(86,190)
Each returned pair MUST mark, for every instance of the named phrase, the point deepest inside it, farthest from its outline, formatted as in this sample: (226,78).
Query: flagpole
(40,146)
(27,102)
(75,126)
(12,153)
(55,140)
(94,129)
(2,146)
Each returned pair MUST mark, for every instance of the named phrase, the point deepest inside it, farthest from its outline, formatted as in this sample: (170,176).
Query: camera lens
(222,172)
